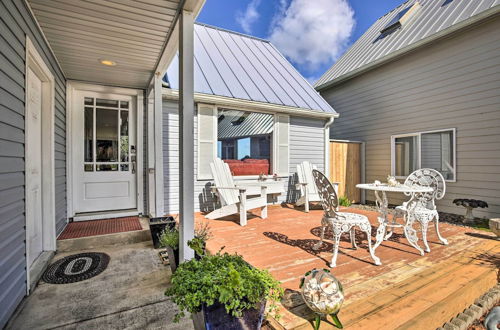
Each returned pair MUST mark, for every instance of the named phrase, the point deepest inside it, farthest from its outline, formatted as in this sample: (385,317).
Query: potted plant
(157,227)
(223,291)
(169,239)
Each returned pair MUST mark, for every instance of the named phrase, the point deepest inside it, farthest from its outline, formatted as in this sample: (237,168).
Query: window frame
(419,150)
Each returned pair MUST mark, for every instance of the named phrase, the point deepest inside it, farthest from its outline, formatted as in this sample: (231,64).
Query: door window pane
(244,141)
(106,103)
(106,167)
(406,152)
(88,167)
(88,135)
(124,145)
(437,153)
(106,135)
(124,104)
(89,101)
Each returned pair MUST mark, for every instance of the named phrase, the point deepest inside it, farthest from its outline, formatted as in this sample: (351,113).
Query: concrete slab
(129,294)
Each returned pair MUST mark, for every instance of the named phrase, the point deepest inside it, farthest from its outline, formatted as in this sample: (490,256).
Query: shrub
(344,201)
(223,278)
(170,236)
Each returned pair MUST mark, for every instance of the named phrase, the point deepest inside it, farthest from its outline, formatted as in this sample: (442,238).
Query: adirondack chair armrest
(300,184)
(214,188)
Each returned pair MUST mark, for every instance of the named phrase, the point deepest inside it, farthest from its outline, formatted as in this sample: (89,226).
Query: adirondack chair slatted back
(223,178)
(304,173)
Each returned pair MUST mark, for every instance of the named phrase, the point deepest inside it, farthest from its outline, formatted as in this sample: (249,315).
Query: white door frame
(71,87)
(35,62)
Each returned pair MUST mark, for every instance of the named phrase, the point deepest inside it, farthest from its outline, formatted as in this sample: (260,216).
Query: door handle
(133,164)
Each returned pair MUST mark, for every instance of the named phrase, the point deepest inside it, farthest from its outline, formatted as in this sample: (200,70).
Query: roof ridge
(231,31)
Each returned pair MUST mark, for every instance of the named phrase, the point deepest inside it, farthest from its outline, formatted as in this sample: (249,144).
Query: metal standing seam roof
(239,66)
(254,124)
(433,17)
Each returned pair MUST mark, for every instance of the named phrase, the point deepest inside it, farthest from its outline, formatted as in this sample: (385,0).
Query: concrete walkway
(129,294)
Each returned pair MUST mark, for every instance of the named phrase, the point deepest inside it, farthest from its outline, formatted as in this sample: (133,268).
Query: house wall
(306,143)
(451,84)
(15,23)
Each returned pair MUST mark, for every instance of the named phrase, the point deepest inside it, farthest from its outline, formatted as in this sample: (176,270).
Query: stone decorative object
(323,294)
(495,226)
(469,204)
(377,183)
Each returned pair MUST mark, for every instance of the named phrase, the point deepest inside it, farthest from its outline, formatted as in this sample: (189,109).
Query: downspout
(326,132)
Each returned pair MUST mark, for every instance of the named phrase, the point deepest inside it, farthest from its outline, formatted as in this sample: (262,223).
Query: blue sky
(312,34)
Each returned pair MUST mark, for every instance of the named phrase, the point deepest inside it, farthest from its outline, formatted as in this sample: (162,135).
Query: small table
(382,204)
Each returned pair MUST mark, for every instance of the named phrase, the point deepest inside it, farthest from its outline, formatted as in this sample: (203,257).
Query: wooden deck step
(424,301)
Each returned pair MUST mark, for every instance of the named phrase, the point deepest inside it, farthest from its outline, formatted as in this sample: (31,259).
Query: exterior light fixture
(107,62)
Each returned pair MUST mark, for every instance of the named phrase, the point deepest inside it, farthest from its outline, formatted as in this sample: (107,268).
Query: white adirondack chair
(306,185)
(233,199)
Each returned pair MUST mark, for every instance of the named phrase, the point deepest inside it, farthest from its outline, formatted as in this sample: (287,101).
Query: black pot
(173,258)
(215,318)
(157,226)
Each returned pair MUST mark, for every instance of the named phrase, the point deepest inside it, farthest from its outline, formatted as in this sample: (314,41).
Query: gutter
(173,94)
(492,12)
(326,133)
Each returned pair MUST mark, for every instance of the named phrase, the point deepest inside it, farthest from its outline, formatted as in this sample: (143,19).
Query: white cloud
(312,33)
(249,16)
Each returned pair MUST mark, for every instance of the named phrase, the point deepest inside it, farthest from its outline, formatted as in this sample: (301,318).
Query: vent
(401,18)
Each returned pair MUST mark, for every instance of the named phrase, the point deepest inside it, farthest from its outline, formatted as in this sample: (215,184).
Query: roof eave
(487,14)
(173,94)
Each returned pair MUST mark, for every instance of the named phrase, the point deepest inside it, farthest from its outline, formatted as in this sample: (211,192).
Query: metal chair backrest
(327,194)
(428,177)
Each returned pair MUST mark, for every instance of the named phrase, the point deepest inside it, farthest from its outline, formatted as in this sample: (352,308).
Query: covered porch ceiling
(136,38)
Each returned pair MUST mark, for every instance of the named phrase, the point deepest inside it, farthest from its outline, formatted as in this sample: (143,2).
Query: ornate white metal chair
(341,222)
(422,207)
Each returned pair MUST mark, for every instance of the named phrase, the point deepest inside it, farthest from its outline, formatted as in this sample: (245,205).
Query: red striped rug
(79,229)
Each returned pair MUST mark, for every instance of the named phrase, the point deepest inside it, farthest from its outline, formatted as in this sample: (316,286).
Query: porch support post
(158,129)
(186,134)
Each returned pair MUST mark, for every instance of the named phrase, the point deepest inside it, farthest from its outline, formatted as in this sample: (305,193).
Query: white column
(186,133)
(151,156)
(158,127)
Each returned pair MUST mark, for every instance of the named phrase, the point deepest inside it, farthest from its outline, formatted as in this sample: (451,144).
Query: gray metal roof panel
(234,65)
(254,124)
(433,17)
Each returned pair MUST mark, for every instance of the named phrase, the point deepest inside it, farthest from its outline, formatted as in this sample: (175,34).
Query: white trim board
(138,94)
(233,103)
(35,62)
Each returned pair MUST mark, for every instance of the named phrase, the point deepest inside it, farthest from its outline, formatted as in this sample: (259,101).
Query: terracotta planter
(215,318)
(495,226)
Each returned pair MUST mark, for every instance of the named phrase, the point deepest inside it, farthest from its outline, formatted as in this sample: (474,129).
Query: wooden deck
(407,291)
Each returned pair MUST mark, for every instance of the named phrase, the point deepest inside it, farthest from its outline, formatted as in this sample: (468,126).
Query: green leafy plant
(170,237)
(344,201)
(225,279)
(202,233)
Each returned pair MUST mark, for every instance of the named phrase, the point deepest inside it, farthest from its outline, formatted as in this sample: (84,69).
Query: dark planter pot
(173,258)
(215,318)
(157,226)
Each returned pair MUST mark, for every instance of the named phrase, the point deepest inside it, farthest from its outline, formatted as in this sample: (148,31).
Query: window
(400,19)
(251,143)
(435,149)
(244,141)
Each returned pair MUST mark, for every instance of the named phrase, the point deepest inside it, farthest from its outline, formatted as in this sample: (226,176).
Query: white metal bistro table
(383,207)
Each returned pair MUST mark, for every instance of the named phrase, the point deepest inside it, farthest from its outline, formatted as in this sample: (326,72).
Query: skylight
(401,18)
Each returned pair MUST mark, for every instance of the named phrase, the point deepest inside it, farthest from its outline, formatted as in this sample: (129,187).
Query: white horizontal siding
(453,84)
(306,143)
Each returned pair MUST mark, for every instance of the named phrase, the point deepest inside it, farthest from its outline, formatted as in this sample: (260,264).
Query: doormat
(76,268)
(78,229)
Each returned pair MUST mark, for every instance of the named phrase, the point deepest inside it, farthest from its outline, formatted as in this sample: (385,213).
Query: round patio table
(383,207)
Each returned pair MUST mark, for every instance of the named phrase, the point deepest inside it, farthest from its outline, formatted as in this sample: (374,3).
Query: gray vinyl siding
(451,84)
(15,24)
(306,143)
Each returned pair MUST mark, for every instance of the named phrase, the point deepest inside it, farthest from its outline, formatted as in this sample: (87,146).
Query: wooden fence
(347,168)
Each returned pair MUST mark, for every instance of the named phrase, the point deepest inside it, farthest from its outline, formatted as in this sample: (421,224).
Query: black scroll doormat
(76,268)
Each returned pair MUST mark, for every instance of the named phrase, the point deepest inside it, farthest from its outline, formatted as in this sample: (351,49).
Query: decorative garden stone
(495,226)
(469,204)
(323,294)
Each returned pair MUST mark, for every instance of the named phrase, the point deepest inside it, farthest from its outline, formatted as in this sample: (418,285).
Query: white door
(104,152)
(34,211)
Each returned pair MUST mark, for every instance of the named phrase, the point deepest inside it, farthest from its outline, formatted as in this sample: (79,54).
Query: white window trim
(419,150)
